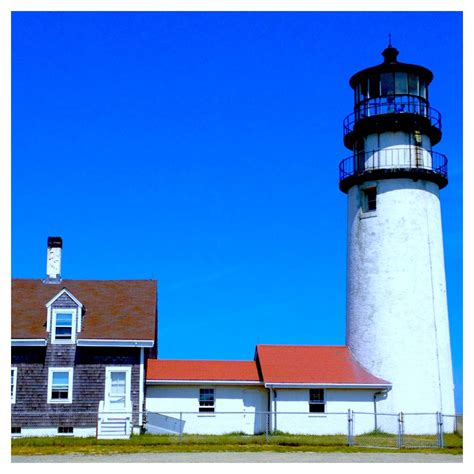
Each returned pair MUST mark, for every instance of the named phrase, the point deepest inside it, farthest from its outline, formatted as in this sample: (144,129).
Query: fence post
(350,441)
(267,421)
(440,430)
(400,430)
(180,426)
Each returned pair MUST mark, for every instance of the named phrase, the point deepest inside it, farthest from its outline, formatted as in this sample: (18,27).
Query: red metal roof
(114,309)
(218,370)
(278,364)
(312,364)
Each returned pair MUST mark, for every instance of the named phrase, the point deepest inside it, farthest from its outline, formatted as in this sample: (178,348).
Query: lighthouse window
(423,89)
(387,83)
(362,89)
(370,199)
(374,86)
(401,83)
(412,84)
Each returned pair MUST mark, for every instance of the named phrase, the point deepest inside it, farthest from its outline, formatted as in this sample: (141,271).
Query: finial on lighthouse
(390,53)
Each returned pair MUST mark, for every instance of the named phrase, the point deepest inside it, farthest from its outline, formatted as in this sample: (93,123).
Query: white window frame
(13,376)
(323,402)
(54,314)
(52,370)
(213,406)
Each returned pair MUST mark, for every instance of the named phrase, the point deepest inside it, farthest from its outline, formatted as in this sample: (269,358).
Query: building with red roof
(324,366)
(298,385)
(224,371)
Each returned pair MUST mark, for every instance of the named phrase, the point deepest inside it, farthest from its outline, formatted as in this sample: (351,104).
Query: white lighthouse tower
(397,314)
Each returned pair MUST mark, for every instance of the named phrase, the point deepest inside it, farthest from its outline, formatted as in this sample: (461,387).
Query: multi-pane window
(60,385)
(65,430)
(63,323)
(316,400)
(206,400)
(13,384)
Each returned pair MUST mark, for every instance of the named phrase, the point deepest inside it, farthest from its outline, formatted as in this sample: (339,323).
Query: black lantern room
(391,97)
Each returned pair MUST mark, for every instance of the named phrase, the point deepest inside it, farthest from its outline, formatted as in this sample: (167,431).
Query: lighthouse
(397,314)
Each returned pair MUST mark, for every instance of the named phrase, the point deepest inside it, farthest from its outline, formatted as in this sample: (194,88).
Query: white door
(117,388)
(249,410)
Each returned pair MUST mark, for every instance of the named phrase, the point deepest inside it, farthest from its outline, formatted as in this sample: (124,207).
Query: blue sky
(202,149)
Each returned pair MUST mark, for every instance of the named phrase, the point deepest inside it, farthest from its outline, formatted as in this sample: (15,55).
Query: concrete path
(242,457)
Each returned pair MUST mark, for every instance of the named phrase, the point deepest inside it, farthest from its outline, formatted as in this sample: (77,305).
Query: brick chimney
(53,260)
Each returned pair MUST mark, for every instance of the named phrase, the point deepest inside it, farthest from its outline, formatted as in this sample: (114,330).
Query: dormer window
(64,318)
(63,326)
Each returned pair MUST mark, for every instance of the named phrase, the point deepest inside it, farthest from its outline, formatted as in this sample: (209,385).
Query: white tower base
(397,315)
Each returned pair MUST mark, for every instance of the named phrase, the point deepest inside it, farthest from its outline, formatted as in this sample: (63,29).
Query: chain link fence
(374,430)
(421,430)
(351,428)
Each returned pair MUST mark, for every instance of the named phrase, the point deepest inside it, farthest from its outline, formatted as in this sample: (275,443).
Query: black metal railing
(394,158)
(392,104)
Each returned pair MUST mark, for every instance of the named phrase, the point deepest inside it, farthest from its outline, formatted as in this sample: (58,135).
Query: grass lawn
(231,442)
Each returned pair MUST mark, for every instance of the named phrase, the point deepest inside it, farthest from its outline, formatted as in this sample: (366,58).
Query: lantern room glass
(389,83)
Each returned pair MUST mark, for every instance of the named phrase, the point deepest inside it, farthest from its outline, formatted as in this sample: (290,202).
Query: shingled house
(79,350)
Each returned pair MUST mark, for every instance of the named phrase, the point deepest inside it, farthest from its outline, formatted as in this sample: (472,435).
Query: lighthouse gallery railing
(409,157)
(392,104)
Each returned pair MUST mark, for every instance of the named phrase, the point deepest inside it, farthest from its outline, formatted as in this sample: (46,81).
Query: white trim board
(28,342)
(115,342)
